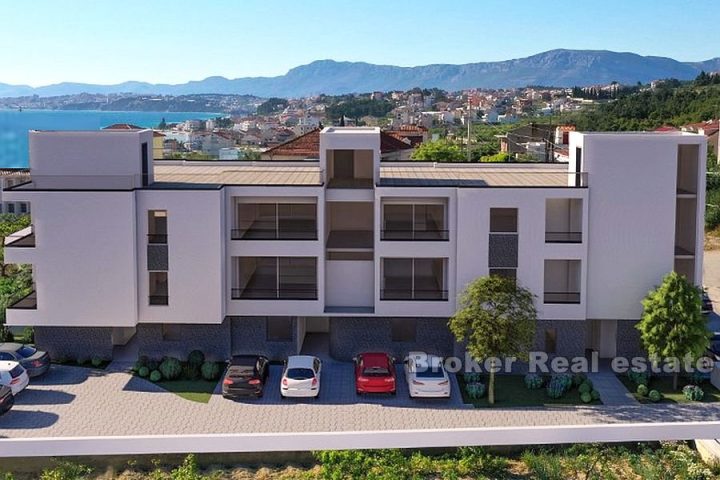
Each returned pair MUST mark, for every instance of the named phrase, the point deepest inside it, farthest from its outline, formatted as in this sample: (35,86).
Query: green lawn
(510,391)
(664,385)
(193,390)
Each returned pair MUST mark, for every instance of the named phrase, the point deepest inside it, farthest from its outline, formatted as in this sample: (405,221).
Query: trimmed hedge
(210,371)
(155,376)
(170,368)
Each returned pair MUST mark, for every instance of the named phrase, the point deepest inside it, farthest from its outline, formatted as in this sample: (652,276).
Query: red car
(374,373)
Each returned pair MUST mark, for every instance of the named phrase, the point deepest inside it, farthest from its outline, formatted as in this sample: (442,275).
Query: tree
(496,319)
(672,325)
(162,125)
(438,151)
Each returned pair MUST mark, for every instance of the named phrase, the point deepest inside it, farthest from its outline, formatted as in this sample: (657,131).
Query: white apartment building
(256,257)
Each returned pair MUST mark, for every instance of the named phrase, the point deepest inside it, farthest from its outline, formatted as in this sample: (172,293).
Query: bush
(586,397)
(585,388)
(475,390)
(210,371)
(82,360)
(196,358)
(579,379)
(143,360)
(472,377)
(155,376)
(655,396)
(563,379)
(29,334)
(136,367)
(642,390)
(171,368)
(595,395)
(556,388)
(66,471)
(639,378)
(96,362)
(191,372)
(696,378)
(693,393)
(533,381)
(143,372)
(152,364)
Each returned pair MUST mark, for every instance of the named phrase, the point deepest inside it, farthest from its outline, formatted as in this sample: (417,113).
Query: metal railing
(157,238)
(309,293)
(561,297)
(273,234)
(413,294)
(28,302)
(563,237)
(158,299)
(415,235)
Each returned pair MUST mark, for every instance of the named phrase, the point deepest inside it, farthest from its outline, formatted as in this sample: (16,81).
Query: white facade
(589,246)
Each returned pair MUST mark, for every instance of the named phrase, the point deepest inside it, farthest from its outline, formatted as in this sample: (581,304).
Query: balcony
(414,279)
(563,220)
(561,297)
(275,278)
(275,221)
(562,282)
(28,302)
(410,294)
(350,169)
(24,238)
(414,222)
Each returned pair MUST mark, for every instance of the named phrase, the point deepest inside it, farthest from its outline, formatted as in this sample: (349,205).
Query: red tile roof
(308,145)
(666,128)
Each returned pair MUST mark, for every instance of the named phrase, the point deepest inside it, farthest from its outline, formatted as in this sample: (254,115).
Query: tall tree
(672,325)
(438,151)
(496,319)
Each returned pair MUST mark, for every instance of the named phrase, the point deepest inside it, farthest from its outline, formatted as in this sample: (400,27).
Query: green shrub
(579,379)
(143,372)
(556,388)
(136,367)
(155,376)
(82,360)
(96,361)
(642,390)
(152,364)
(472,377)
(565,379)
(595,395)
(66,471)
(189,470)
(29,334)
(143,360)
(533,381)
(586,397)
(655,396)
(543,465)
(693,393)
(196,357)
(171,368)
(191,372)
(210,371)
(585,388)
(639,378)
(696,378)
(475,390)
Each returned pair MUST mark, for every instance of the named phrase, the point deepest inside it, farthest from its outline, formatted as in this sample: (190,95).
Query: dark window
(11,208)
(158,288)
(157,226)
(300,373)
(550,340)
(26,351)
(17,371)
(578,166)
(343,164)
(7,356)
(23,208)
(403,329)
(145,164)
(279,329)
(504,272)
(503,220)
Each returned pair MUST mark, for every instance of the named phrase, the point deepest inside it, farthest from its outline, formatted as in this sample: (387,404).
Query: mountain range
(561,68)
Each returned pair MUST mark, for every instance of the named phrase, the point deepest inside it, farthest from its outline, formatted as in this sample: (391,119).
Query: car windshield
(16,372)
(300,373)
(426,372)
(27,351)
(375,372)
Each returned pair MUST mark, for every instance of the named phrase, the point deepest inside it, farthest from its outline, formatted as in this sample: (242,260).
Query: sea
(15,124)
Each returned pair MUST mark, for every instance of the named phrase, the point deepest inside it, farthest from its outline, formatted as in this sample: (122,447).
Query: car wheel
(394,392)
(358,393)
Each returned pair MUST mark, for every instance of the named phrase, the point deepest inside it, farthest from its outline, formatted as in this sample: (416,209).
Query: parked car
(13,375)
(426,375)
(707,306)
(301,377)
(375,373)
(713,350)
(7,399)
(35,361)
(246,376)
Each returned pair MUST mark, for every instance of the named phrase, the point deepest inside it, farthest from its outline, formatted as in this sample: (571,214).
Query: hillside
(555,67)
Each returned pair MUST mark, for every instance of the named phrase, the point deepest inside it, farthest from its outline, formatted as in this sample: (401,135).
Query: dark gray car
(7,400)
(35,361)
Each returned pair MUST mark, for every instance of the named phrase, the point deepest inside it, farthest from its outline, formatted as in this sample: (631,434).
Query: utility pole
(469,123)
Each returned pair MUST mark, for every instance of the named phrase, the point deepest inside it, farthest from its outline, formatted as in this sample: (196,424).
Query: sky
(160,41)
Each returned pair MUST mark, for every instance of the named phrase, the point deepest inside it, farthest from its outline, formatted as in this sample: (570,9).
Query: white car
(13,375)
(426,376)
(301,377)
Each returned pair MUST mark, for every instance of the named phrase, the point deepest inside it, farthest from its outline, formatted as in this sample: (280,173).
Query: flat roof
(474,175)
(252,174)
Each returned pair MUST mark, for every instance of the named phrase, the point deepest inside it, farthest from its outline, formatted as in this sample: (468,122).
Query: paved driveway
(72,401)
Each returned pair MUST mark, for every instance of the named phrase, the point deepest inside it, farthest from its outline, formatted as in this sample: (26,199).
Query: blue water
(14,126)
